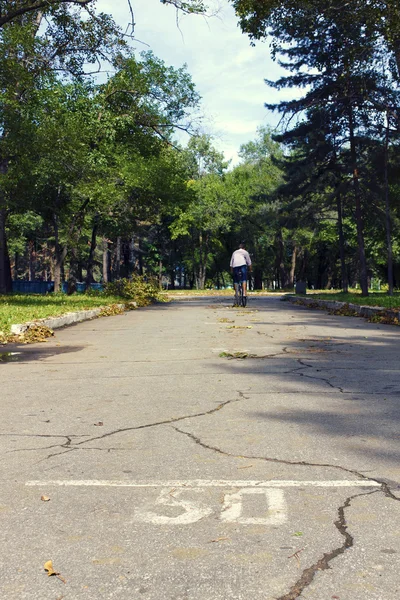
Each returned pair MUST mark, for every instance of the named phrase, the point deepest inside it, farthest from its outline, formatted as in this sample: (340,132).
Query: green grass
(17,308)
(374,298)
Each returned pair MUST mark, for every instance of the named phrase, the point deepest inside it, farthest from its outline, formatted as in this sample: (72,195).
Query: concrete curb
(66,319)
(361,310)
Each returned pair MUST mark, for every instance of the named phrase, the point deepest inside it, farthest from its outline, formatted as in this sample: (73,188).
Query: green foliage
(92,179)
(138,289)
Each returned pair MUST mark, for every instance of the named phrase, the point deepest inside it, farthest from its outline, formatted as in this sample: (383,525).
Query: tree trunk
(93,244)
(293,267)
(106,261)
(160,274)
(140,257)
(343,267)
(358,211)
(59,258)
(131,255)
(302,255)
(73,271)
(387,215)
(281,261)
(5,266)
(201,278)
(258,278)
(181,278)
(16,266)
(329,274)
(203,256)
(117,270)
(32,260)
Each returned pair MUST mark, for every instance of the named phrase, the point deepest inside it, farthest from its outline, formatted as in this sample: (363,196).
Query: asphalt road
(171,470)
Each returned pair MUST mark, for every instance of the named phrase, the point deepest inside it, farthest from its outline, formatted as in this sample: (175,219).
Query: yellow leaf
(45,499)
(48,566)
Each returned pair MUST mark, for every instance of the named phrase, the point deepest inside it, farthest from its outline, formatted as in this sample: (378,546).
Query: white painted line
(204,483)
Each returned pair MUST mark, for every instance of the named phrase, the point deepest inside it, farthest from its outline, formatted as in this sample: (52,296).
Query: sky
(228,72)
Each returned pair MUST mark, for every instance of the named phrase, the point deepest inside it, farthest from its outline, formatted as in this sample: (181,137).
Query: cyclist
(240,260)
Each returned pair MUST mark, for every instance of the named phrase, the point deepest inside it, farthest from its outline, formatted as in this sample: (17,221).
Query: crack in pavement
(324,379)
(384,485)
(78,446)
(304,364)
(165,422)
(66,444)
(323,563)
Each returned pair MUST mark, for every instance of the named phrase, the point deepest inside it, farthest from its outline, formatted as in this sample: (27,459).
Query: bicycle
(240,299)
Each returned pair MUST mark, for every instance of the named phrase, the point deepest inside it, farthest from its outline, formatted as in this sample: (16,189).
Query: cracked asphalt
(176,471)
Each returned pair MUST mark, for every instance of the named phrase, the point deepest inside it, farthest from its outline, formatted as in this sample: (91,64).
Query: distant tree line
(94,187)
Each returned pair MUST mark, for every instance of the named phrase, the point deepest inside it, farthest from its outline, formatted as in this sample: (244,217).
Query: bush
(140,290)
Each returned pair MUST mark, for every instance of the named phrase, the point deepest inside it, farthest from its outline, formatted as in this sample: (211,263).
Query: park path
(177,471)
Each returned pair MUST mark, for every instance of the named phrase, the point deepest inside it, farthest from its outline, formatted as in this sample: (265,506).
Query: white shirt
(240,257)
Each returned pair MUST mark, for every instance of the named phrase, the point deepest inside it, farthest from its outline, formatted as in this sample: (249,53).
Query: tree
(14,10)
(335,56)
(37,40)
(206,214)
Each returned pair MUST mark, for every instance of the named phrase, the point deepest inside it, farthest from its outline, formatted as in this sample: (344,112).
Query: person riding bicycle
(240,260)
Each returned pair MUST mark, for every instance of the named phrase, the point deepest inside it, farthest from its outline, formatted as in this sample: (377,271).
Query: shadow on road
(19,353)
(333,376)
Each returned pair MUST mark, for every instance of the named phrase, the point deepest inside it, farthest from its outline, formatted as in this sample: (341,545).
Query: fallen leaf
(48,566)
(99,424)
(45,499)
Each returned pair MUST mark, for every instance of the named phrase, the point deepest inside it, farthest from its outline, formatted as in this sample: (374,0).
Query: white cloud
(229,73)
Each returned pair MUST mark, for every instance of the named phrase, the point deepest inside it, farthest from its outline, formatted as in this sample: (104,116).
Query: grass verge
(20,308)
(374,299)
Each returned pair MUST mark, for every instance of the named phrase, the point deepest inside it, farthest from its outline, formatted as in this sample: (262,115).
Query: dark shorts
(240,274)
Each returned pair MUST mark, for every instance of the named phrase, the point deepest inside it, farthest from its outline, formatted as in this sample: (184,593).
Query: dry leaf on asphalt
(99,424)
(48,566)
(45,498)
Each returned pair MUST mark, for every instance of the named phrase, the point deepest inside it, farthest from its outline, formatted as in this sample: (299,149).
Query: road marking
(203,483)
(192,511)
(276,513)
